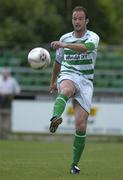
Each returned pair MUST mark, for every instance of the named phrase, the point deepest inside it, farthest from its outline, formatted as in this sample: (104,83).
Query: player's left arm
(76,47)
(88,45)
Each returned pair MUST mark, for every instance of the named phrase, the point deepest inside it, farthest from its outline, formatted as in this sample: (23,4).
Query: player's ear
(87,21)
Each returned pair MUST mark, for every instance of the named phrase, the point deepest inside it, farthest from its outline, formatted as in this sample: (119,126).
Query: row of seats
(116,65)
(108,82)
(16,58)
(108,70)
(33,79)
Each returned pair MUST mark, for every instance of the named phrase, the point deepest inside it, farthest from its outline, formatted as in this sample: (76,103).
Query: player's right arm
(55,72)
(56,68)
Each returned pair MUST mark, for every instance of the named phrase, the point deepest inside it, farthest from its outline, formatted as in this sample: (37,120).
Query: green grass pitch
(37,160)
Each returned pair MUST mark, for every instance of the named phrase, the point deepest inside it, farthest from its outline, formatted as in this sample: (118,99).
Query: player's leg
(67,89)
(81,117)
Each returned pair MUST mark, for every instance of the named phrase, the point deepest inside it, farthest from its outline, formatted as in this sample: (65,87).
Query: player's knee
(67,91)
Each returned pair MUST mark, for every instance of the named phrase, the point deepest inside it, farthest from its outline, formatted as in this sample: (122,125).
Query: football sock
(78,146)
(59,105)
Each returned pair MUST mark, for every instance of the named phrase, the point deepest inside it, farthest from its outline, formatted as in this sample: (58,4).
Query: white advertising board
(34,116)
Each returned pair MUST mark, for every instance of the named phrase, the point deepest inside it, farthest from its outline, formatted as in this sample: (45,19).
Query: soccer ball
(39,58)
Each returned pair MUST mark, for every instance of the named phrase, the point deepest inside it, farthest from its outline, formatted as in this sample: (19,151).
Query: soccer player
(74,71)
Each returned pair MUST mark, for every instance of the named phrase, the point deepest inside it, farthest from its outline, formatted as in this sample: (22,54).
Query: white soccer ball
(39,58)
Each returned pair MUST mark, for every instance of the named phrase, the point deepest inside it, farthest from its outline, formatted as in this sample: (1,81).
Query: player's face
(79,21)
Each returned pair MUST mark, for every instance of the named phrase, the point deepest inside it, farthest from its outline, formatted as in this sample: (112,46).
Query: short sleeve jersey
(75,62)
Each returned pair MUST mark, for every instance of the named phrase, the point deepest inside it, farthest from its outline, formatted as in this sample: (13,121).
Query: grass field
(35,160)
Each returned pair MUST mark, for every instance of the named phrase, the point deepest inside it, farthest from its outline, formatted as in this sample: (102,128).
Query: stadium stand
(108,70)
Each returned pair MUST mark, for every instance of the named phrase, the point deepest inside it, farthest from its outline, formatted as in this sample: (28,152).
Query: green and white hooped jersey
(75,62)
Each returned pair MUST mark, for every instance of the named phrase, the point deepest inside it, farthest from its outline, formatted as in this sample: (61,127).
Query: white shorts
(84,89)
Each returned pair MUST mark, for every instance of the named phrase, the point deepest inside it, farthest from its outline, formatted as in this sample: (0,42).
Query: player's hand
(53,88)
(57,44)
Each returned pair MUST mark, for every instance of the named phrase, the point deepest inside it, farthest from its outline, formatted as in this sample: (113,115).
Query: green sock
(78,146)
(59,105)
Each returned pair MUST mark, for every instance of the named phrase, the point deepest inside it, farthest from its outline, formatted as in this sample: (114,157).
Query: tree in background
(37,21)
(28,21)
